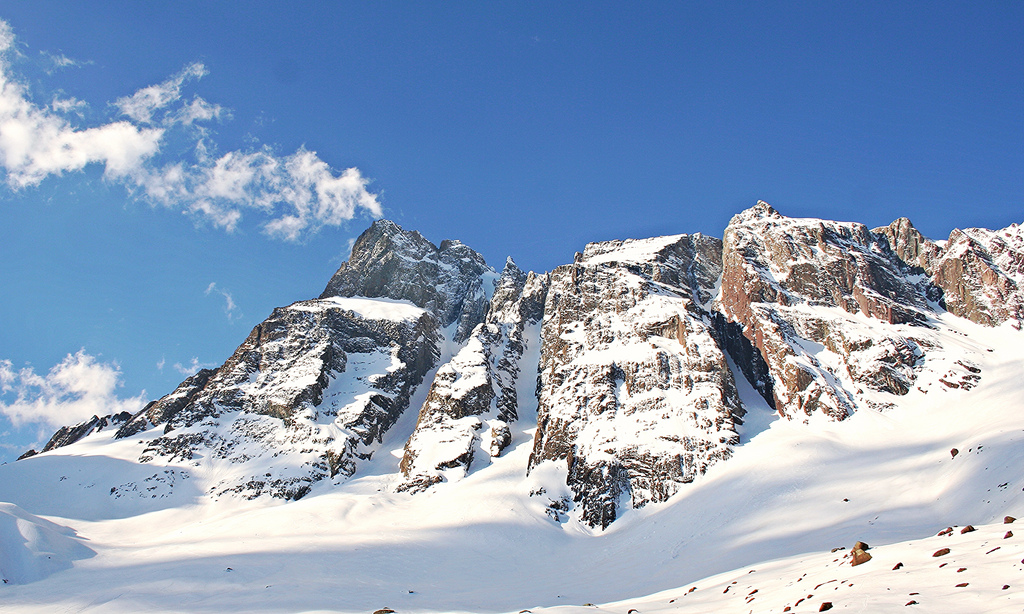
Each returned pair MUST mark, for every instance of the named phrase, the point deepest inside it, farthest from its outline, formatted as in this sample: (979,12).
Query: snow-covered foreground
(981,572)
(791,493)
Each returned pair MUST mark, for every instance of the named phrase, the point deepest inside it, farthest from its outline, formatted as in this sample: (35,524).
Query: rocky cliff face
(828,305)
(390,262)
(978,274)
(621,359)
(318,382)
(314,388)
(635,394)
(473,399)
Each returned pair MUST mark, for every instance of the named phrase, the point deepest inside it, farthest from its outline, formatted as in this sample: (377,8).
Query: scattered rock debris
(941,552)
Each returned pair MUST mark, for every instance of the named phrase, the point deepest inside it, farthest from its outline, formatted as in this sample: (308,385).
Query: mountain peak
(761,210)
(389,262)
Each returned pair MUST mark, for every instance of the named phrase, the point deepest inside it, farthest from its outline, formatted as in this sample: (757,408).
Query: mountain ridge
(633,390)
(659,414)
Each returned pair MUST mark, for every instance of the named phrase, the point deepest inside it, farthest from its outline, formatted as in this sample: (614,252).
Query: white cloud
(198,110)
(160,365)
(6,37)
(292,195)
(36,143)
(68,105)
(76,389)
(193,367)
(141,105)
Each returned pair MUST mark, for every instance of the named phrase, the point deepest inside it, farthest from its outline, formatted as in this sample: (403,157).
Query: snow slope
(790,493)
(32,548)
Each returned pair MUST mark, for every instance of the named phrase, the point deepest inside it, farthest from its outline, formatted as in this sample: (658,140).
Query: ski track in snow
(791,493)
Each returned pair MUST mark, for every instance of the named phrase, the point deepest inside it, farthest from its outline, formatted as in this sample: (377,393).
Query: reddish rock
(1008,535)
(968,529)
(825,606)
(946,531)
(941,552)
(977,273)
(911,602)
(962,584)
(954,452)
(1008,519)
(773,264)
(898,566)
(858,557)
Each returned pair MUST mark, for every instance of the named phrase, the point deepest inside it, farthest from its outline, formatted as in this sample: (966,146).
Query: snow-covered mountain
(431,434)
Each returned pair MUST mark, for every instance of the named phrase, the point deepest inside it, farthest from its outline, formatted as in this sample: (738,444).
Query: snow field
(790,493)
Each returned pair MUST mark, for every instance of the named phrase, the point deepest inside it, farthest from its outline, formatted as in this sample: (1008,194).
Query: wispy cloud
(292,195)
(68,105)
(193,367)
(59,61)
(160,365)
(76,389)
(230,307)
(143,104)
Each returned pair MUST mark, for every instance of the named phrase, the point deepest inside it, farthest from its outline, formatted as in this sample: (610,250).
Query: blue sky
(171,172)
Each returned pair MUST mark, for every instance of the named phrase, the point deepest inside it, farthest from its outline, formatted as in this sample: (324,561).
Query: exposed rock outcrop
(800,289)
(635,394)
(315,387)
(393,263)
(167,407)
(978,273)
(67,435)
(319,381)
(474,397)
